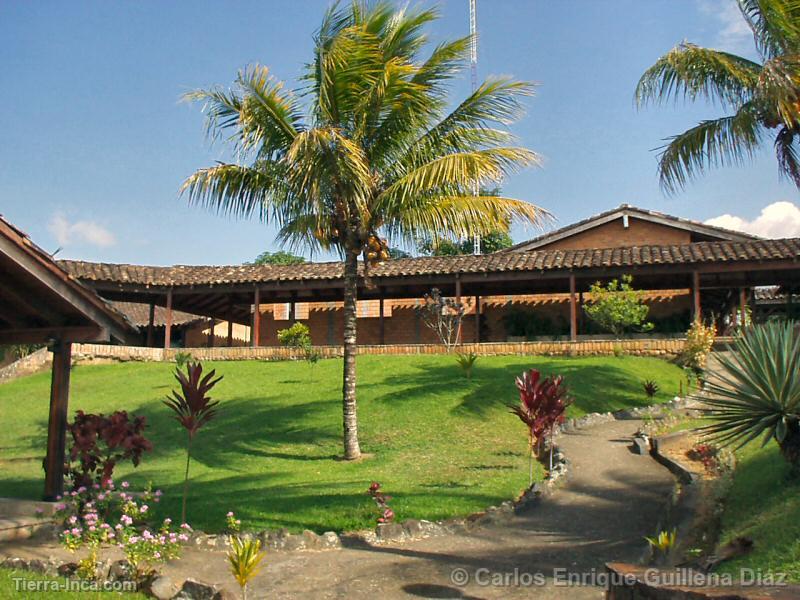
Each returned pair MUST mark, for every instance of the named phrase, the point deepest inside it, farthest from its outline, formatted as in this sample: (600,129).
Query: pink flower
(230,514)
(167,521)
(125,485)
(144,508)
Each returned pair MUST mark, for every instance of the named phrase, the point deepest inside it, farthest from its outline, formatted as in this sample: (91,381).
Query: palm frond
(720,142)
(787,151)
(690,71)
(775,25)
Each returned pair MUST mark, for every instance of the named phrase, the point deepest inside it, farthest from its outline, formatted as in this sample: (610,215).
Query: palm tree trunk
(352,450)
(790,449)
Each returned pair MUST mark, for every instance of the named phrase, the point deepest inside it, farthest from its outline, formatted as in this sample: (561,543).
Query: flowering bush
(699,341)
(102,515)
(706,453)
(382,502)
(233,524)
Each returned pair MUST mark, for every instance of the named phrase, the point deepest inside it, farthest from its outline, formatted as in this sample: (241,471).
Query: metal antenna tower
(473,67)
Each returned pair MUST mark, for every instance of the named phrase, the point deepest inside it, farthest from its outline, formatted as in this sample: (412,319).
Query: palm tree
(375,153)
(763,98)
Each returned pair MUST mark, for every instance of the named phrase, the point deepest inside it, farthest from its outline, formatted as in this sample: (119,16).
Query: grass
(46,588)
(764,505)
(440,445)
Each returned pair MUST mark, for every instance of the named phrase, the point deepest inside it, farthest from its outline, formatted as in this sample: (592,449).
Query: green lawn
(765,506)
(439,445)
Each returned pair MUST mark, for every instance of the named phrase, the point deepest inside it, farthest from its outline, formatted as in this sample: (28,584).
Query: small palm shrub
(467,362)
(757,392)
(193,409)
(183,358)
(664,542)
(699,341)
(244,559)
(542,404)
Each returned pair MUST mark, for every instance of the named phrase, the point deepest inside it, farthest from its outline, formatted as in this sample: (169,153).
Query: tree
(763,98)
(491,242)
(443,316)
(617,307)
(376,154)
(278,258)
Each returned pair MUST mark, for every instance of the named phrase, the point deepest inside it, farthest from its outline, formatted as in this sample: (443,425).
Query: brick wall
(613,234)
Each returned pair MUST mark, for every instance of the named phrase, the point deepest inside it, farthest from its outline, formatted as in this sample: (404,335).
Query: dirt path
(611,500)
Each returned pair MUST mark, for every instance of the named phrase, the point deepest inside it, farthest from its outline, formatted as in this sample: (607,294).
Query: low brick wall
(653,347)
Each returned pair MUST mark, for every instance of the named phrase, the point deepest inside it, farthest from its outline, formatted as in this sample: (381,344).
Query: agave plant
(664,542)
(542,404)
(756,392)
(193,409)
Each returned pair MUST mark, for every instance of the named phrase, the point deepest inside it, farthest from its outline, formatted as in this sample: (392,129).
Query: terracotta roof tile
(540,260)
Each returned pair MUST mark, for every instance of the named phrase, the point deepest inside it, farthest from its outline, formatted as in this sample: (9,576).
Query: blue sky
(95,142)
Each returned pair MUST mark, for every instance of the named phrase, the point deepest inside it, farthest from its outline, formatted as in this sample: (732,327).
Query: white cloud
(777,220)
(79,232)
(734,34)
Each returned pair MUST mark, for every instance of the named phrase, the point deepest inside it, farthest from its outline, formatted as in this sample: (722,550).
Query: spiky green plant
(467,361)
(650,388)
(664,541)
(244,560)
(193,409)
(762,97)
(366,148)
(756,392)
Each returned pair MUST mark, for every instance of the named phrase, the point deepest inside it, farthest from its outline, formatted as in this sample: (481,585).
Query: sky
(96,142)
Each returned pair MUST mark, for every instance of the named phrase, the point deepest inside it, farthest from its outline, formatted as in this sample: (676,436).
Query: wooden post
(573,310)
(168,325)
(696,308)
(256,333)
(150,323)
(230,322)
(742,306)
(381,322)
(458,302)
(211,333)
(57,423)
(477,319)
(292,311)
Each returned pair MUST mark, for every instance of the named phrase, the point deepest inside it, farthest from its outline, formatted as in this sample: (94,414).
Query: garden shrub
(699,341)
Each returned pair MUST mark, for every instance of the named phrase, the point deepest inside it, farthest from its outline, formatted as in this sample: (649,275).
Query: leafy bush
(467,362)
(99,443)
(699,341)
(617,307)
(297,336)
(193,409)
(757,392)
(542,404)
(521,322)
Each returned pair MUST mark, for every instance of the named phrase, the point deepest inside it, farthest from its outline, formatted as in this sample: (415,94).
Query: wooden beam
(458,302)
(573,310)
(150,323)
(230,322)
(697,310)
(57,422)
(381,322)
(256,332)
(477,319)
(168,326)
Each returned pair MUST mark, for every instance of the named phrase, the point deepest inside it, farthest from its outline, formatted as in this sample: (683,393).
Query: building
(534,289)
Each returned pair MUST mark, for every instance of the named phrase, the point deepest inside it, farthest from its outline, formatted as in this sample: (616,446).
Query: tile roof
(635,211)
(139,314)
(534,261)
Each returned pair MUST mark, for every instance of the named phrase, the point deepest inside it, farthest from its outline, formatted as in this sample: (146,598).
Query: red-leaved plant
(386,514)
(193,408)
(99,442)
(542,404)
